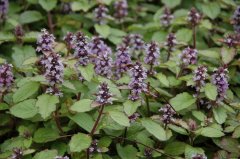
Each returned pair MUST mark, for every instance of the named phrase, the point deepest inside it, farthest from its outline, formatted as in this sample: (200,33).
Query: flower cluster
(167,113)
(152,55)
(199,78)
(94,147)
(236,20)
(199,156)
(137,86)
(100,14)
(148,153)
(189,56)
(134,41)
(66,7)
(194,17)
(45,42)
(69,40)
(192,124)
(103,95)
(121,9)
(18,32)
(6,77)
(3,9)
(171,42)
(17,153)
(133,117)
(61,157)
(123,60)
(53,72)
(102,61)
(80,49)
(220,79)
(232,40)
(167,17)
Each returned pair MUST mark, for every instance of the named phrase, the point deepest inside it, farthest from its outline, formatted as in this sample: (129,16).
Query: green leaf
(22,53)
(211,9)
(211,132)
(48,4)
(163,79)
(182,101)
(127,152)
(175,148)
(120,118)
(190,151)
(81,5)
(3,106)
(236,133)
(220,114)
(25,109)
(84,105)
(130,107)
(209,53)
(68,84)
(30,17)
(46,154)
(103,30)
(171,3)
(199,115)
(87,72)
(155,129)
(79,142)
(227,54)
(184,35)
(210,91)
(84,120)
(44,135)
(25,91)
(46,104)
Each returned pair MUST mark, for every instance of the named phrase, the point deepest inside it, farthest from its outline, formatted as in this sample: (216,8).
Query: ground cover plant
(117,79)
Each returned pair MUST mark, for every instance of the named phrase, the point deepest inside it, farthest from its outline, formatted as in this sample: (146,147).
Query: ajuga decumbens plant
(119,79)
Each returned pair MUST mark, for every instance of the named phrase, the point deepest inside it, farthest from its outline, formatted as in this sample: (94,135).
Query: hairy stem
(95,125)
(50,22)
(194,37)
(56,118)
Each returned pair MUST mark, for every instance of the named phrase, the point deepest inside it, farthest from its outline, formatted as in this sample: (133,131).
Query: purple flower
(171,42)
(3,9)
(167,114)
(236,20)
(220,79)
(61,157)
(199,78)
(121,9)
(45,42)
(104,95)
(18,32)
(133,117)
(189,56)
(137,85)
(194,17)
(17,153)
(134,41)
(199,156)
(53,72)
(80,49)
(232,40)
(100,14)
(123,60)
(69,40)
(148,152)
(66,8)
(94,147)
(167,17)
(101,57)
(152,54)
(6,77)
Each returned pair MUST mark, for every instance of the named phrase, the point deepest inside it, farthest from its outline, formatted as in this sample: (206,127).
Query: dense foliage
(119,79)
